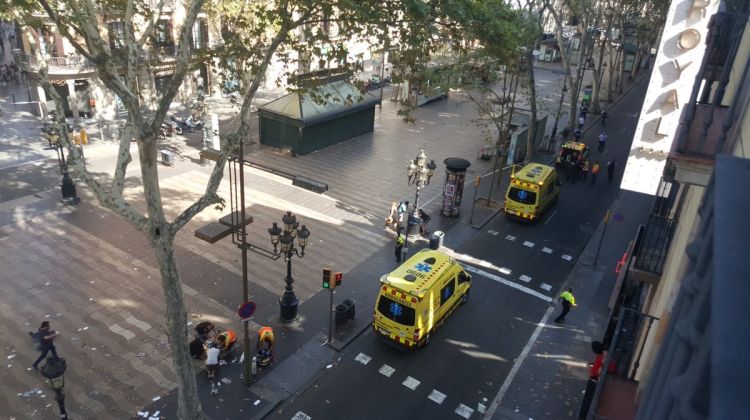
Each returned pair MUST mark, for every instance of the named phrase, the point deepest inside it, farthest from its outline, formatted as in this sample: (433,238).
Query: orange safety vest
(595,169)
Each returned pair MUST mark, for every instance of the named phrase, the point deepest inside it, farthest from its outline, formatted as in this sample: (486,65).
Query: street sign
(246,310)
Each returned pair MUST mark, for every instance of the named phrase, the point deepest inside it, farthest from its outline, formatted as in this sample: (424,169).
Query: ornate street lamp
(54,371)
(283,244)
(418,173)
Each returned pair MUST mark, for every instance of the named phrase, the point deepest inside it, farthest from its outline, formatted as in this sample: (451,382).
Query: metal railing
(30,62)
(654,242)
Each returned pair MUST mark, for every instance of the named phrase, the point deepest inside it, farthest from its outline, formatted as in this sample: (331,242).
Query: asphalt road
(523,268)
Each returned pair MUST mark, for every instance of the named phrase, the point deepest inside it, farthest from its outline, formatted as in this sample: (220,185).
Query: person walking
(585,169)
(604,118)
(565,133)
(602,141)
(567,300)
(578,133)
(400,241)
(45,336)
(611,166)
(403,207)
(594,172)
(581,121)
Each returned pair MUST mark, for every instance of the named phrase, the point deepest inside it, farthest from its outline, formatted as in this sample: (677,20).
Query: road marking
(508,283)
(567,257)
(524,278)
(550,217)
(546,286)
(484,263)
(517,365)
(493,232)
(301,416)
(510,237)
(363,358)
(528,244)
(464,411)
(547,250)
(410,383)
(386,370)
(505,271)
(436,396)
(481,408)
(35,162)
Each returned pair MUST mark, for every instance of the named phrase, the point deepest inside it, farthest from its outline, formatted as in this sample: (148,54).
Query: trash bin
(167,158)
(436,239)
(344,311)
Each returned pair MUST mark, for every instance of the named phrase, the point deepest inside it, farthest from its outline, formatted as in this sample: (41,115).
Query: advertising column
(453,190)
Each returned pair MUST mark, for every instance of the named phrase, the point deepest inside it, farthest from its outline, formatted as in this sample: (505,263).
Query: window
(396,311)
(163,33)
(116,35)
(522,196)
(447,291)
(160,84)
(200,34)
(463,277)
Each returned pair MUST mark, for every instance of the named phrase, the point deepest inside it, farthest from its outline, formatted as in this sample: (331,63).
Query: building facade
(670,339)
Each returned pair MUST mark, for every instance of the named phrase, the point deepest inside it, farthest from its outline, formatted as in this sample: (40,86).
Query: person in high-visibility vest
(567,300)
(400,241)
(594,172)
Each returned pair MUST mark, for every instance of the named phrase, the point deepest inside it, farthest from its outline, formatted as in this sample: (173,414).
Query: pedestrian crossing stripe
(566,257)
(386,371)
(301,416)
(437,396)
(524,278)
(464,411)
(528,244)
(410,383)
(493,232)
(547,250)
(510,237)
(546,286)
(363,358)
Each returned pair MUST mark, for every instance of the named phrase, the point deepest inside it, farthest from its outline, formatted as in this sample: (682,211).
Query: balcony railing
(653,244)
(615,392)
(68,64)
(707,118)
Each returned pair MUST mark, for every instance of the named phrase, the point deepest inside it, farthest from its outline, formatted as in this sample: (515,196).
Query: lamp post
(418,173)
(67,187)
(54,371)
(284,239)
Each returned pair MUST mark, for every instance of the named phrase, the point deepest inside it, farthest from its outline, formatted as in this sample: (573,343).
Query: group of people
(395,219)
(210,343)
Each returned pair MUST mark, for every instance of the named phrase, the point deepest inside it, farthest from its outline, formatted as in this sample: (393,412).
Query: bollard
(254,366)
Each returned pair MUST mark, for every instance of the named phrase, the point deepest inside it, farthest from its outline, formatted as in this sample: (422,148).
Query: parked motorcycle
(181,124)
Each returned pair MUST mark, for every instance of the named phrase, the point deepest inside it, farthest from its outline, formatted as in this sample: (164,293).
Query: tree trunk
(161,237)
(565,60)
(532,104)
(599,73)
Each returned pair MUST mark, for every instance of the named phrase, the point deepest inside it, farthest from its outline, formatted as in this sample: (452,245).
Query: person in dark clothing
(45,336)
(204,330)
(604,118)
(400,241)
(578,133)
(611,166)
(425,219)
(565,133)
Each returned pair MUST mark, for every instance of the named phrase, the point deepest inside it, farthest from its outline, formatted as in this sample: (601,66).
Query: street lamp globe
(274,231)
(421,158)
(431,170)
(411,168)
(290,224)
(302,235)
(287,241)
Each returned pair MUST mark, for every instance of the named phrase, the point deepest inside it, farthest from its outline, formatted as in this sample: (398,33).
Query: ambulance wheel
(464,297)
(426,340)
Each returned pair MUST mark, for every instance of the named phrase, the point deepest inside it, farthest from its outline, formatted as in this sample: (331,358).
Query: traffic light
(327,278)
(337,279)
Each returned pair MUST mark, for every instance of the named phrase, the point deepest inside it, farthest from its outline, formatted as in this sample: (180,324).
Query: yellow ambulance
(532,190)
(418,296)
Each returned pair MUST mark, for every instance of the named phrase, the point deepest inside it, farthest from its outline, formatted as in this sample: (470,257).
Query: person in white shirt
(212,359)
